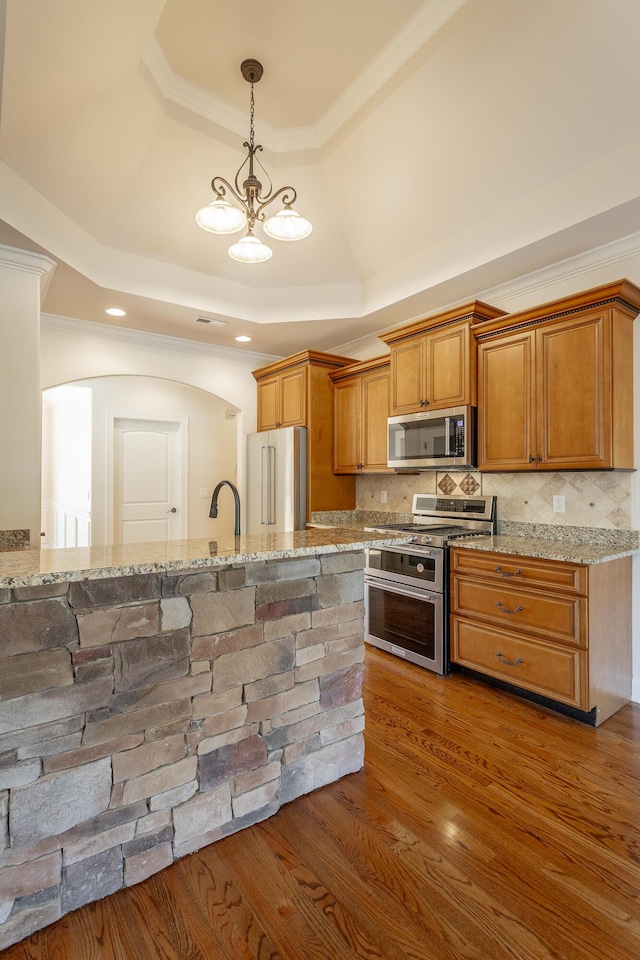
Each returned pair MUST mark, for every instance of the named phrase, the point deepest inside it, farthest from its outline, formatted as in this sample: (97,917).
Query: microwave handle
(447,436)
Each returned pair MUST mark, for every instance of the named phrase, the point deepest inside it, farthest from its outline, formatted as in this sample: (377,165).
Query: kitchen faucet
(213,511)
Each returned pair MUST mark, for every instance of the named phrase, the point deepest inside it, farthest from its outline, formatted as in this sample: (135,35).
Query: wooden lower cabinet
(558,630)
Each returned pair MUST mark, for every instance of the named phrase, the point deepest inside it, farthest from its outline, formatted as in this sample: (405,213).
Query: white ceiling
(439,148)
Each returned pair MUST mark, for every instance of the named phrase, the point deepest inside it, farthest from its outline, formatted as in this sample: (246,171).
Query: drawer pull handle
(509,663)
(506,609)
(503,573)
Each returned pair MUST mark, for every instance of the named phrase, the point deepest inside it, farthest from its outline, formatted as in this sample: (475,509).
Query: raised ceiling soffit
(427,21)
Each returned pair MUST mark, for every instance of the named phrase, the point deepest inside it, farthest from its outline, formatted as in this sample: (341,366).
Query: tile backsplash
(592,499)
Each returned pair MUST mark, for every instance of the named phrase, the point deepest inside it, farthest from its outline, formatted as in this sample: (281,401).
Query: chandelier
(223,215)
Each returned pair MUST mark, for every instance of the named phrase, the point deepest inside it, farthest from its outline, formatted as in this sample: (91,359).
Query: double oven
(407,586)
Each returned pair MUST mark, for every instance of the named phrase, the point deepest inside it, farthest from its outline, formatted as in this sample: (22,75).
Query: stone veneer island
(157,697)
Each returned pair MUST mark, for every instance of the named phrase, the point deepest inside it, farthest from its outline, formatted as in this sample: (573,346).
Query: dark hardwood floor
(481,828)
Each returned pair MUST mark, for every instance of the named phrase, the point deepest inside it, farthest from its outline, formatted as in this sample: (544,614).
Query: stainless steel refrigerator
(277,480)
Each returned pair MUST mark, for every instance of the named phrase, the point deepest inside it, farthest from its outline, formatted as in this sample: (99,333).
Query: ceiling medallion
(222,215)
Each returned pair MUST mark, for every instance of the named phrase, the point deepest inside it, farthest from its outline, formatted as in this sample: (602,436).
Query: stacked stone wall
(146,716)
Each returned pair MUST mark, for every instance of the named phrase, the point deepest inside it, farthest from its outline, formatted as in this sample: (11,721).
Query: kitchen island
(155,698)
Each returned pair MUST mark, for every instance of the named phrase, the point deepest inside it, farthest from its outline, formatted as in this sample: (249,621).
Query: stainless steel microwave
(432,439)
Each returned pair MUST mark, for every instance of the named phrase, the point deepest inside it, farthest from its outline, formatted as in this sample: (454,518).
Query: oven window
(404,621)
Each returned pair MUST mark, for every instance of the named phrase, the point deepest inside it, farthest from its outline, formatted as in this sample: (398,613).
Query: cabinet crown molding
(476,311)
(314,357)
(623,294)
(362,366)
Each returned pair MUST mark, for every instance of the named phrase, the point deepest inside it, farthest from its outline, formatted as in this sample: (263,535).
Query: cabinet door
(347,402)
(293,398)
(375,411)
(407,376)
(506,405)
(574,393)
(448,368)
(268,393)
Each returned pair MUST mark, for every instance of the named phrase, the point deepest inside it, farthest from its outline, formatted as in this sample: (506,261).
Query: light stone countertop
(26,568)
(547,549)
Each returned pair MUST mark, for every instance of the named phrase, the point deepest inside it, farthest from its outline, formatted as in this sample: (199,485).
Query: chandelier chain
(252,111)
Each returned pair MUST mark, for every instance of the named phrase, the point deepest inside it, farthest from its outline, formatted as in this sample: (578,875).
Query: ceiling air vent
(216,323)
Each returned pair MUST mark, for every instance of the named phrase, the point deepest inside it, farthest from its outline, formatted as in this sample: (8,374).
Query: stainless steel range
(407,587)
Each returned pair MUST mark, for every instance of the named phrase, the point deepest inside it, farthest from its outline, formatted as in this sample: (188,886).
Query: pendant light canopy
(242,205)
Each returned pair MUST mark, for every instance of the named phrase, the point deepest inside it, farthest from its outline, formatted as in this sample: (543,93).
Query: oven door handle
(403,591)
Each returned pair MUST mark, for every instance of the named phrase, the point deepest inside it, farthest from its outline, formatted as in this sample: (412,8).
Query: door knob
(173,510)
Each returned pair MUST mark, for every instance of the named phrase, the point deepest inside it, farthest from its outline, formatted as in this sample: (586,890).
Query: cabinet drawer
(529,571)
(549,616)
(549,670)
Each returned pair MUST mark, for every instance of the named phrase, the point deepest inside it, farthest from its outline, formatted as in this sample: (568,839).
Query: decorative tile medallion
(447,485)
(469,485)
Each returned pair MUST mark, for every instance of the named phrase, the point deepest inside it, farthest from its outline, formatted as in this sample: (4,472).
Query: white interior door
(146,481)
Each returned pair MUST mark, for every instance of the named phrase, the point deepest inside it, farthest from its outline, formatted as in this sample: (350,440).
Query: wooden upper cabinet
(556,384)
(347,404)
(506,427)
(297,392)
(361,409)
(282,399)
(433,362)
(375,413)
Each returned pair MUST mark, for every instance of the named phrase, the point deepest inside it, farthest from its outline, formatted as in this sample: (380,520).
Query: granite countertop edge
(30,568)
(545,549)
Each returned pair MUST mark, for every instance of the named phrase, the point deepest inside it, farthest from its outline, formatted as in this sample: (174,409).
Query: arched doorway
(82,445)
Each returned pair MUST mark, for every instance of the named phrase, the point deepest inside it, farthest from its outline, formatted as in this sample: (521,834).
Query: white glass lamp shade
(287,224)
(220,216)
(250,250)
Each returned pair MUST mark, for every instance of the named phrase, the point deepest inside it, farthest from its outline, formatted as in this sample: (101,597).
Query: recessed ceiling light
(243,339)
(116,312)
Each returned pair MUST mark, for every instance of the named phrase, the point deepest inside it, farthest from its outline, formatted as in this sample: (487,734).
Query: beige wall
(20,284)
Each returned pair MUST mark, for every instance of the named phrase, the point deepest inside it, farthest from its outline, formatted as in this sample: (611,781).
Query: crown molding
(207,105)
(528,285)
(28,262)
(89,328)
(415,33)
(606,255)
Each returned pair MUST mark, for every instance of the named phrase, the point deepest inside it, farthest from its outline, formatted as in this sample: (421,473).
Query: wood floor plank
(338,914)
(482,827)
(225,907)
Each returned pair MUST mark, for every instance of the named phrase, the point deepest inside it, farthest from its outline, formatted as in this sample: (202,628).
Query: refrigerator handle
(264,484)
(271,486)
